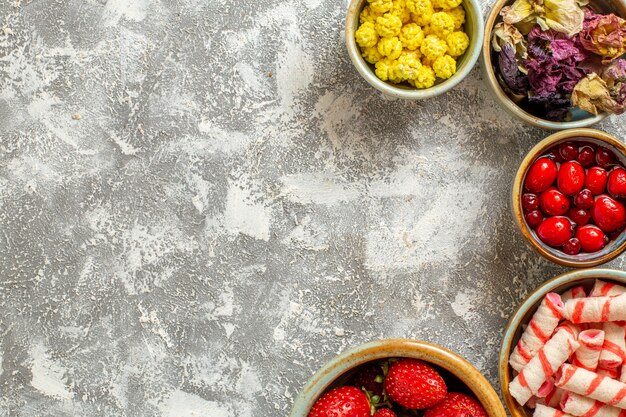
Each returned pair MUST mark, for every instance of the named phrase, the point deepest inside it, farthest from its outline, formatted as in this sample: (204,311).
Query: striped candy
(542,366)
(595,309)
(590,384)
(588,354)
(544,411)
(539,330)
(606,289)
(577,405)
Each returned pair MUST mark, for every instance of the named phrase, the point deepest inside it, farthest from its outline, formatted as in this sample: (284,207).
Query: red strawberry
(342,402)
(457,405)
(385,412)
(414,384)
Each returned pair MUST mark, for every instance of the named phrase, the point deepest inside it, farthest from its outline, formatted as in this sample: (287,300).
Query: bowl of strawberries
(398,378)
(568,197)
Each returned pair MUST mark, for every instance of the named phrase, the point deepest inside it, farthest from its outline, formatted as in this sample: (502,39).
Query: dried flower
(592,95)
(564,16)
(510,73)
(604,35)
(554,106)
(503,34)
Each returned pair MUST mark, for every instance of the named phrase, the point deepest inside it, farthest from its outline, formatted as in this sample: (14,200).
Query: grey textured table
(201,202)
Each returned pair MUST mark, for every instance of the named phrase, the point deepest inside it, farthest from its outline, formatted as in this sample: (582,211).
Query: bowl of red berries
(569,195)
(398,378)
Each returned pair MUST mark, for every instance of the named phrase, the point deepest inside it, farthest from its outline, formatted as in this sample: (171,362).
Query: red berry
(616,184)
(555,231)
(608,214)
(604,157)
(384,412)
(568,151)
(571,178)
(457,405)
(370,378)
(553,202)
(414,384)
(530,202)
(591,238)
(541,175)
(342,402)
(595,181)
(586,156)
(572,246)
(534,218)
(584,199)
(579,216)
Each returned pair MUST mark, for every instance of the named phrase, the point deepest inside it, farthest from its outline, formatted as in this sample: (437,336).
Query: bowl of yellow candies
(414,49)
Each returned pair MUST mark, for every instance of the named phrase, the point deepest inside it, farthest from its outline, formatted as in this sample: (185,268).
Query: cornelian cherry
(604,157)
(571,178)
(541,175)
(595,181)
(584,199)
(572,246)
(555,231)
(553,202)
(579,216)
(591,238)
(616,184)
(533,218)
(530,202)
(586,156)
(608,214)
(568,151)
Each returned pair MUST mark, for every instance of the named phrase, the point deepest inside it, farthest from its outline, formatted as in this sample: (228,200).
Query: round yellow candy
(371,54)
(399,9)
(457,43)
(368,15)
(381,6)
(441,24)
(446,4)
(433,47)
(421,11)
(388,25)
(425,77)
(366,35)
(444,66)
(458,15)
(411,36)
(390,47)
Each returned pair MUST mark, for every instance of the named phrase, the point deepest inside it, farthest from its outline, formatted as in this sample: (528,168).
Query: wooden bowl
(580,118)
(522,316)
(341,368)
(465,63)
(582,260)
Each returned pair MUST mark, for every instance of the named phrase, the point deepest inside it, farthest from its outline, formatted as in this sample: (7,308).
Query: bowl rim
(472,55)
(385,348)
(570,277)
(500,95)
(516,193)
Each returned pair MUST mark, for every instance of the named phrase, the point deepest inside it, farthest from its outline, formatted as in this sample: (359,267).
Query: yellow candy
(444,66)
(421,11)
(388,25)
(433,47)
(441,24)
(399,9)
(390,47)
(366,35)
(411,36)
(382,69)
(457,43)
(458,15)
(371,55)
(408,65)
(446,4)
(368,15)
(425,77)
(381,6)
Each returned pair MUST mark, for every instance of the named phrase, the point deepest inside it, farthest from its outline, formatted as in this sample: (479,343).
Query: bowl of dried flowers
(557,64)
